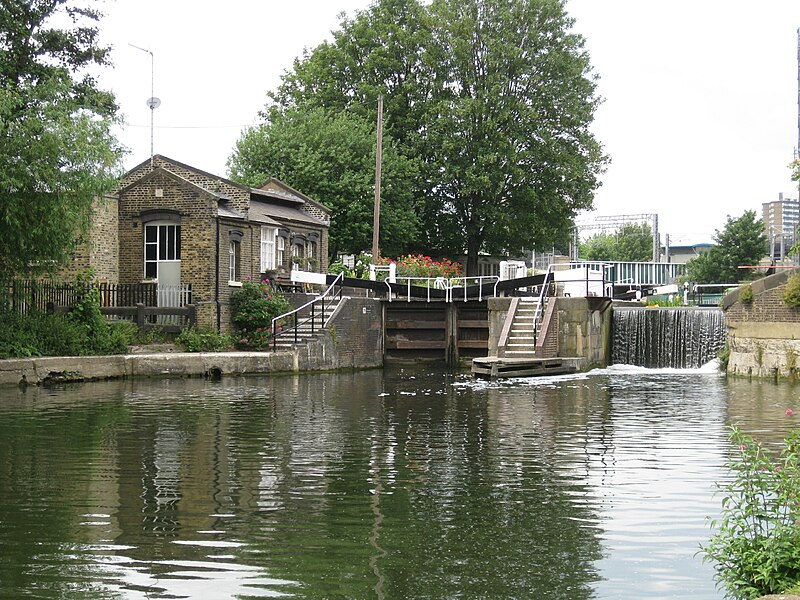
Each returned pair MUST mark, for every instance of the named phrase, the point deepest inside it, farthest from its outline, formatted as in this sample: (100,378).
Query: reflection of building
(781,219)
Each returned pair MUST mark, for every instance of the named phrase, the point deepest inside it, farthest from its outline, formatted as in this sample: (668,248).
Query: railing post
(140,319)
(313,316)
(192,316)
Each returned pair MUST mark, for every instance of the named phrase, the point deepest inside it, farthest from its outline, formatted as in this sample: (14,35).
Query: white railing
(173,296)
(637,273)
(448,286)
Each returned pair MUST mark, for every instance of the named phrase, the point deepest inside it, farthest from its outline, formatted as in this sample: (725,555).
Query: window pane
(150,252)
(177,242)
(170,243)
(150,270)
(150,233)
(162,242)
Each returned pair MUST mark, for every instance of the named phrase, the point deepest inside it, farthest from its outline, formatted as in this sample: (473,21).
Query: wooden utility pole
(376,213)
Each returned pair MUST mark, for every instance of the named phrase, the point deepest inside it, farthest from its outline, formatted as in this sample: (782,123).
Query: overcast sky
(700,117)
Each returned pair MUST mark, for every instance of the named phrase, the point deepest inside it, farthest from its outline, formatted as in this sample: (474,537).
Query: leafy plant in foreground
(756,547)
(253,308)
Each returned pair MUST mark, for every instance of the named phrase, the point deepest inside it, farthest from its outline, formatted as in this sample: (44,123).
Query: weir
(680,338)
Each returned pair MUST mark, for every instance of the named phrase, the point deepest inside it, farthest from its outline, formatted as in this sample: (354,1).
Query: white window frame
(268,235)
(164,251)
(234,254)
(280,251)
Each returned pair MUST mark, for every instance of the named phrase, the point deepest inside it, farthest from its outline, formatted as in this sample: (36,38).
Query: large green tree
(742,242)
(331,156)
(57,152)
(492,99)
(633,242)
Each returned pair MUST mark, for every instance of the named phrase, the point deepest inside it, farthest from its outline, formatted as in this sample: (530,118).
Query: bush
(756,549)
(101,337)
(339,267)
(746,294)
(253,308)
(791,294)
(198,339)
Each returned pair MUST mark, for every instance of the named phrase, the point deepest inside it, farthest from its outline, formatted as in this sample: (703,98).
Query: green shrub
(198,339)
(746,294)
(791,294)
(756,547)
(41,334)
(664,301)
(253,308)
(339,267)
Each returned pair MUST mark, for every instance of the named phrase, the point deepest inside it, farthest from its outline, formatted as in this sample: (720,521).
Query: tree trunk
(472,259)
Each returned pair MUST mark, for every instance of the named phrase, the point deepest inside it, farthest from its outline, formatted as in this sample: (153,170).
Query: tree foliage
(491,100)
(742,242)
(632,243)
(331,157)
(57,153)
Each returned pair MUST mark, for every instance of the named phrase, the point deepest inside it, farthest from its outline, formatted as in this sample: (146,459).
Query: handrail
(480,278)
(321,299)
(505,332)
(540,304)
(440,283)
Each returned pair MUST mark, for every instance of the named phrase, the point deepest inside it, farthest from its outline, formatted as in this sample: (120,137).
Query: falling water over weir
(680,338)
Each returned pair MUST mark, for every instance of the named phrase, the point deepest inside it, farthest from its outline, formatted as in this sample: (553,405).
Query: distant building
(781,219)
(680,251)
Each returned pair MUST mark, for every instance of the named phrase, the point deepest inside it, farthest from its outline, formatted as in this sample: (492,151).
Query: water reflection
(409,483)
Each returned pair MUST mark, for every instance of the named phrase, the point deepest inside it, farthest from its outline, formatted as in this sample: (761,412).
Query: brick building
(173,224)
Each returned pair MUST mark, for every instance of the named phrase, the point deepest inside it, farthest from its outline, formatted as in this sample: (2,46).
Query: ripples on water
(408,483)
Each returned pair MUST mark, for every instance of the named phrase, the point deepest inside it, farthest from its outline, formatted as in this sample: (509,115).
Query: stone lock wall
(584,329)
(763,335)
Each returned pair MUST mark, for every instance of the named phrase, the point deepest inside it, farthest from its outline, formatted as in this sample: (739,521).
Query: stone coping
(57,369)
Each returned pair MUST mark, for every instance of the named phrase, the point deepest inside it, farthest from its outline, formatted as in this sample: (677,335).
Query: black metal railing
(314,310)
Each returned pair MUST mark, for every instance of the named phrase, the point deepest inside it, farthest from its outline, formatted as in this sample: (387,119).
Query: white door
(162,260)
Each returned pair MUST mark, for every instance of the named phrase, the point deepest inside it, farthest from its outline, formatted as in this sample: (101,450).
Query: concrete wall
(353,341)
(498,311)
(584,329)
(763,335)
(356,334)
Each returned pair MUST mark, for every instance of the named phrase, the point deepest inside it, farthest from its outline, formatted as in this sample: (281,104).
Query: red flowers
(418,265)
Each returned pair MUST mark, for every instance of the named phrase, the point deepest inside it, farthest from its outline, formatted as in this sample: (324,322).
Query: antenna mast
(152,102)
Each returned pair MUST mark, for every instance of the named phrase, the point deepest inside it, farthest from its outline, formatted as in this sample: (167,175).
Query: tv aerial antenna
(152,102)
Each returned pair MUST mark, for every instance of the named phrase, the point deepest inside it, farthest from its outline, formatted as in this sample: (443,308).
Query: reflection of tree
(49,451)
(428,491)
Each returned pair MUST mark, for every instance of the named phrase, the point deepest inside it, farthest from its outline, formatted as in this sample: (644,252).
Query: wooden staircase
(520,331)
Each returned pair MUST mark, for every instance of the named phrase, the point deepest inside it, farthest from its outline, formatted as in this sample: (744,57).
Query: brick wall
(198,212)
(763,335)
(100,251)
(239,195)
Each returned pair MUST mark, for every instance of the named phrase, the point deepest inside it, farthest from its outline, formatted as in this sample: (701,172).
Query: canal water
(405,483)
